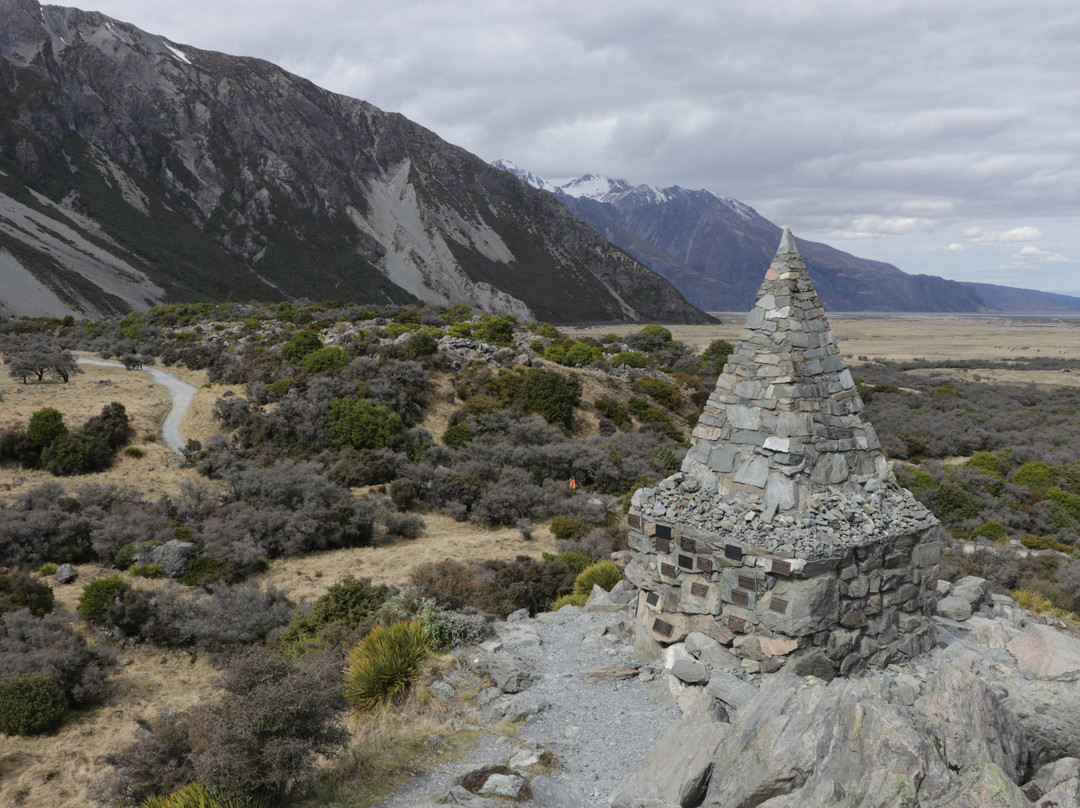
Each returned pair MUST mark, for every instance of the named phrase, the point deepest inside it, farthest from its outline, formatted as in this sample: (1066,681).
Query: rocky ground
(991,717)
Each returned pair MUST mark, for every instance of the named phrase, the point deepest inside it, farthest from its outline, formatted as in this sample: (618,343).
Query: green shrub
(574,560)
(986,461)
(134,451)
(323,359)
(362,425)
(581,354)
(30,704)
(563,527)
(951,503)
(195,795)
(569,600)
(667,395)
(995,531)
(47,569)
(351,602)
(550,395)
(46,425)
(603,574)
(496,330)
(631,359)
(1044,543)
(383,666)
(147,570)
(300,345)
(20,590)
(98,595)
(616,413)
(716,356)
(125,556)
(1036,474)
(457,435)
(461,330)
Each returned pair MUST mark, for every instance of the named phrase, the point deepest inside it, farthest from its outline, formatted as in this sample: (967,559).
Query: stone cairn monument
(785,536)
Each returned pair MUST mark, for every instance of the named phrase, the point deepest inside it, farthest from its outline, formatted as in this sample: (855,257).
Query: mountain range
(136,171)
(712,249)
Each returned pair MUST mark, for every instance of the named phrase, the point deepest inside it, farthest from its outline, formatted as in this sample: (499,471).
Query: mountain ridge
(201,174)
(708,246)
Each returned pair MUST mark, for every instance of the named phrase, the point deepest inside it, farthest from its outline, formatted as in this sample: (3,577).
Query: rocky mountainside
(135,171)
(710,248)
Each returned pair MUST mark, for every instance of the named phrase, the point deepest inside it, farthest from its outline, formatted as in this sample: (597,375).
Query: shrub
(49,646)
(47,569)
(405,525)
(1036,474)
(147,570)
(30,704)
(631,359)
(222,617)
(98,595)
(456,435)
(986,461)
(951,503)
(125,556)
(134,451)
(384,665)
(603,574)
(21,590)
(358,423)
(351,602)
(995,531)
(194,795)
(574,560)
(300,345)
(667,395)
(1045,543)
(569,600)
(46,425)
(324,359)
(565,528)
(550,395)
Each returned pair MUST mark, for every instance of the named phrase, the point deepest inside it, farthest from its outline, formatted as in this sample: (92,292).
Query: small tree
(46,425)
(357,423)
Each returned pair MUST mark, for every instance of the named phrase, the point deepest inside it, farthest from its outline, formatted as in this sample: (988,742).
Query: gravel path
(598,731)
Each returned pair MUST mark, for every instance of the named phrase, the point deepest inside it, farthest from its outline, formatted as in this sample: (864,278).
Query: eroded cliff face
(201,174)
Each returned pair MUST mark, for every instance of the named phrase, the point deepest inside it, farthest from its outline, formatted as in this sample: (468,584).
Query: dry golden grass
(907,337)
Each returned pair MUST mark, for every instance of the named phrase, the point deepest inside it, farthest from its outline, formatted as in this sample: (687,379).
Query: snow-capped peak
(525,176)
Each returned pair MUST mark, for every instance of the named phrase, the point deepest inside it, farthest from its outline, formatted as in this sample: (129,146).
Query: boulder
(523,705)
(954,607)
(1046,653)
(969,723)
(690,671)
(66,574)
(1055,774)
(547,793)
(676,771)
(1049,713)
(837,744)
(983,785)
(976,591)
(174,557)
(510,671)
(502,785)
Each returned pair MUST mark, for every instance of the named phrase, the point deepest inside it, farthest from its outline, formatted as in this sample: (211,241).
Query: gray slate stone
(510,671)
(524,705)
(174,557)
(954,607)
(676,771)
(547,793)
(690,671)
(502,785)
(66,574)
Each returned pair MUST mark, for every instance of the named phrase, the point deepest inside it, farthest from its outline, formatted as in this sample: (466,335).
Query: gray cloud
(884,128)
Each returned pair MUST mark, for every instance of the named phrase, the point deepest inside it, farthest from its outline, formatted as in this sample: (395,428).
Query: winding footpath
(180,392)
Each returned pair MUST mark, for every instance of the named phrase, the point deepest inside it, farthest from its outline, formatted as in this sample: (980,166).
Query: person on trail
(573,482)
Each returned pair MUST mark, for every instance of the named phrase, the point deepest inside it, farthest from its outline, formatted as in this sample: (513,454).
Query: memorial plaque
(686,562)
(698,590)
(778,605)
(663,545)
(736,624)
(634,520)
(781,567)
(704,564)
(733,551)
(740,598)
(747,583)
(652,598)
(662,627)
(668,571)
(688,545)
(663,532)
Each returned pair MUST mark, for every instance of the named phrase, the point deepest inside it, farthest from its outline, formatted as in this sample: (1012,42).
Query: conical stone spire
(785,419)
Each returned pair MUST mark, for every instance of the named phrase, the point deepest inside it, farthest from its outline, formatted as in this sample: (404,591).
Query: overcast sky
(943,137)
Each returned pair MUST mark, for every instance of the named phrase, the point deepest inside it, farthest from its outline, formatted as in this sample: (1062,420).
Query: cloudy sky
(943,137)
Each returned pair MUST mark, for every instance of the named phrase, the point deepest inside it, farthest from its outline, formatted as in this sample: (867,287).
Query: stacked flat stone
(785,524)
